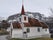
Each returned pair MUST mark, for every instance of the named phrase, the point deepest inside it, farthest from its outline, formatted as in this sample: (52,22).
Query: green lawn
(35,39)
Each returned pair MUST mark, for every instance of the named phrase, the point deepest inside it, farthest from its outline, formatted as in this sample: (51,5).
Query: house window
(24,18)
(38,29)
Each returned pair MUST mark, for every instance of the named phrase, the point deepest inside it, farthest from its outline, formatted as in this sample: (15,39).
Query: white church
(26,27)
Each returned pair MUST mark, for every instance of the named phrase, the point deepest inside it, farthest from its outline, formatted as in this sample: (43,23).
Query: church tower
(24,18)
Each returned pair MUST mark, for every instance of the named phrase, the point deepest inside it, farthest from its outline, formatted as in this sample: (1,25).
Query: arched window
(28,30)
(24,18)
(38,29)
(45,29)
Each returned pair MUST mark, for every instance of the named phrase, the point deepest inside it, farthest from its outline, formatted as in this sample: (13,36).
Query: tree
(5,24)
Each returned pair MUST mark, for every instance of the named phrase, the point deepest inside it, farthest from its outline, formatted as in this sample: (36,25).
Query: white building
(26,27)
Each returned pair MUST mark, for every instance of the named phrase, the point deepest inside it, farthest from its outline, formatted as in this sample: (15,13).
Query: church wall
(22,18)
(34,32)
(46,32)
(17,33)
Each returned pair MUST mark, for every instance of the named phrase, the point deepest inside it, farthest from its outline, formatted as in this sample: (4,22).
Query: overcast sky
(10,7)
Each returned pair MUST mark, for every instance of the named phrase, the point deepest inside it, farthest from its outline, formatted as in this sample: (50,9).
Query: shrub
(3,32)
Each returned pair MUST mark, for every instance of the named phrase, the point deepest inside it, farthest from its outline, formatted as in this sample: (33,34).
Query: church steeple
(22,10)
(24,18)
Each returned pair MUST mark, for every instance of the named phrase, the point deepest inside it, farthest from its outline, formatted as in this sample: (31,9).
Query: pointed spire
(22,11)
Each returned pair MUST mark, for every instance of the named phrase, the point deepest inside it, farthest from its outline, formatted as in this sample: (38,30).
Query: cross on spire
(22,11)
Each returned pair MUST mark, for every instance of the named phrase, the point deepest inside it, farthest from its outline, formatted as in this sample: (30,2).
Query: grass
(3,32)
(34,39)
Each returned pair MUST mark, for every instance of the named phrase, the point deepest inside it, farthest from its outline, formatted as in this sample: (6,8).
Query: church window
(24,18)
(28,30)
(38,29)
(45,29)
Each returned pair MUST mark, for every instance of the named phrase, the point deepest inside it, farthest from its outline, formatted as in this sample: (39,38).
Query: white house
(26,27)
